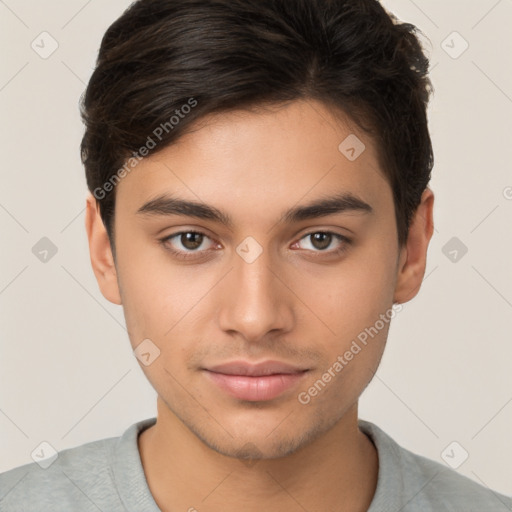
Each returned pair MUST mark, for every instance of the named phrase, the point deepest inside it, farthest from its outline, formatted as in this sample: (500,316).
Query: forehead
(259,161)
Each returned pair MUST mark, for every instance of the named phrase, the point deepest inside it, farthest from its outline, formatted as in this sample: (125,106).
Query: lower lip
(256,389)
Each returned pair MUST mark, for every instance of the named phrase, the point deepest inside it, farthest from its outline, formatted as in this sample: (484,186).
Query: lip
(255,382)
(255,369)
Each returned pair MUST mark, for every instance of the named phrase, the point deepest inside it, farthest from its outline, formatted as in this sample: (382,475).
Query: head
(258,176)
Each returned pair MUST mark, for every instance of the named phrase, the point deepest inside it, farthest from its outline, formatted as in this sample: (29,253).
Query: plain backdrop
(67,372)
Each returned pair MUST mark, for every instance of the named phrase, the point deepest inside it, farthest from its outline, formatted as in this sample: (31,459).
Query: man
(258,175)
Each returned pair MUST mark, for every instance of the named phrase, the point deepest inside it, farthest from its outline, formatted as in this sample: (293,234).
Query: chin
(253,442)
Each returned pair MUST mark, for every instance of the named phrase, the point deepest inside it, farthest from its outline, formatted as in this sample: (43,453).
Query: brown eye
(191,240)
(187,244)
(321,240)
(324,244)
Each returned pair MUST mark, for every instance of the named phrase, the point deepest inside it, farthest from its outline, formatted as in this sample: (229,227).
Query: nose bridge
(254,299)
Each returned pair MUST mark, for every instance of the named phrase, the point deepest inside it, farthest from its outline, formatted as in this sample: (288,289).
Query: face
(255,301)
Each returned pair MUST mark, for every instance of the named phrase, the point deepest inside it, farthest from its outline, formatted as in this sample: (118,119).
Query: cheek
(350,297)
(352,359)
(354,301)
(149,293)
(162,301)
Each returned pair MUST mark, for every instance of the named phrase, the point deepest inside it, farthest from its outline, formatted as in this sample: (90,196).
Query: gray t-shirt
(107,475)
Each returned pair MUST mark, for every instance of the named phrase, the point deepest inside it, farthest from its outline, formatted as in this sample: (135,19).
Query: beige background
(67,374)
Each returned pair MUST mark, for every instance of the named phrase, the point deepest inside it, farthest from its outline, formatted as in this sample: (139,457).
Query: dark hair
(164,64)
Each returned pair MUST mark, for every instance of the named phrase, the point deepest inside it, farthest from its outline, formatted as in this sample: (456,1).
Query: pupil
(323,238)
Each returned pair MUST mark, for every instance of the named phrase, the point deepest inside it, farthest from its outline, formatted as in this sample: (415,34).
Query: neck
(338,471)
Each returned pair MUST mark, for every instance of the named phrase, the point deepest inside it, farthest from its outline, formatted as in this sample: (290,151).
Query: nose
(255,301)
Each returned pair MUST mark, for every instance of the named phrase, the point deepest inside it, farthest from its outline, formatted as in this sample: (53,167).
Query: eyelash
(185,255)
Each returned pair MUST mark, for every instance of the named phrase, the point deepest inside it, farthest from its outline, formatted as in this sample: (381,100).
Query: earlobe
(413,254)
(100,251)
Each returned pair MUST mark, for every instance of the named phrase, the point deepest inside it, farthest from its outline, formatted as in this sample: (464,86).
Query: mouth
(255,382)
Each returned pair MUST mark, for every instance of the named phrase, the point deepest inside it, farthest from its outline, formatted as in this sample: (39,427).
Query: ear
(102,260)
(413,254)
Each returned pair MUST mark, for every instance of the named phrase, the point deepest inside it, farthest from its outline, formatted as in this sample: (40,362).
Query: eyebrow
(330,205)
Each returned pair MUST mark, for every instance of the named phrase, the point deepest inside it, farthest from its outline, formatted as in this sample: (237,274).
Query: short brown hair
(167,63)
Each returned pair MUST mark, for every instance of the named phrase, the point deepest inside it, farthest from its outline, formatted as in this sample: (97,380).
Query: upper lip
(255,370)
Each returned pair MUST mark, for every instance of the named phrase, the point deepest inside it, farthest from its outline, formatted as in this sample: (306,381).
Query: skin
(286,305)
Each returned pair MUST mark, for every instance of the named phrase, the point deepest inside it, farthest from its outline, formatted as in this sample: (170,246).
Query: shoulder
(79,478)
(426,485)
(442,488)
